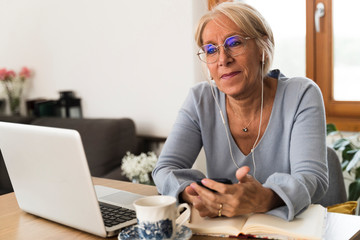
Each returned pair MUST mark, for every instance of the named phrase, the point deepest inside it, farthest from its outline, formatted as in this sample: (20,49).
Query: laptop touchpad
(122,198)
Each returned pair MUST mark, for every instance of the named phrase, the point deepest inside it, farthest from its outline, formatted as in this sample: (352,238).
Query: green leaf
(344,164)
(352,151)
(330,127)
(357,172)
(341,143)
(354,161)
(354,190)
(348,153)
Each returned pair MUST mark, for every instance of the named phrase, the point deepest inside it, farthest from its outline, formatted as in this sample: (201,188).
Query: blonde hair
(249,20)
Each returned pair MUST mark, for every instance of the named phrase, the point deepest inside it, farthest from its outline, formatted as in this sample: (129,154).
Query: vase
(14,102)
(149,182)
(135,180)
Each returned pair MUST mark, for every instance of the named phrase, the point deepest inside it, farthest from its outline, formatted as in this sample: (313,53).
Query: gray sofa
(105,142)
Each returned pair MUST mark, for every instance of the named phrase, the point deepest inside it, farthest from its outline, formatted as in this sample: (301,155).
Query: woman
(264,132)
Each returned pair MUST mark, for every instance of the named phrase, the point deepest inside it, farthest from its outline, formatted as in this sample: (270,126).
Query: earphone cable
(261,113)
(224,123)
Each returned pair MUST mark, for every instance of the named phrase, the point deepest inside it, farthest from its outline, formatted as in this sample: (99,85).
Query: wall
(123,58)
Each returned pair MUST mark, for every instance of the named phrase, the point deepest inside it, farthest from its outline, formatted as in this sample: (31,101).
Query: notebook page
(215,226)
(308,224)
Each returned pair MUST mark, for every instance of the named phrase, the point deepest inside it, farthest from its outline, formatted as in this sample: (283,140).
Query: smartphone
(220,180)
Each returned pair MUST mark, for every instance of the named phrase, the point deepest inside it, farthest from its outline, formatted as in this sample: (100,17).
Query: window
(332,56)
(346,50)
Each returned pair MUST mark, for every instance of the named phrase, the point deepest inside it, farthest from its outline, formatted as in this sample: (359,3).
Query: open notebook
(308,225)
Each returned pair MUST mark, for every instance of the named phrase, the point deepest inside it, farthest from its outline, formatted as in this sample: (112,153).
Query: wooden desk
(18,225)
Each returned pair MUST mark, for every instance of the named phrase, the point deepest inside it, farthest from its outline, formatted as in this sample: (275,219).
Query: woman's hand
(190,196)
(247,196)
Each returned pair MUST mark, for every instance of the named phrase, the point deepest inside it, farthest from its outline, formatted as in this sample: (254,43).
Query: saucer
(131,232)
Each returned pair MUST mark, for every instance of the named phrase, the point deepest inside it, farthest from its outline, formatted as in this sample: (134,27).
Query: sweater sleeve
(308,178)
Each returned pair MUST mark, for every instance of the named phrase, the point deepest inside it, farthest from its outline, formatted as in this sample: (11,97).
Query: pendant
(245,129)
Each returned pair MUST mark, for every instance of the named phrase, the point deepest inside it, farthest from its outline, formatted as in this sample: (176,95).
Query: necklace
(245,129)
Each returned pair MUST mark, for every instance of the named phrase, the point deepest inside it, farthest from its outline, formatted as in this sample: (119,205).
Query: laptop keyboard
(114,215)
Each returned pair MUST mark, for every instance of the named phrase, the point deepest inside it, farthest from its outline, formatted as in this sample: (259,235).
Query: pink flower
(6,75)
(25,73)
(10,74)
(2,74)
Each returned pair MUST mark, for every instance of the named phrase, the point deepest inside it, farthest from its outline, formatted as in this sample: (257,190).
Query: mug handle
(185,216)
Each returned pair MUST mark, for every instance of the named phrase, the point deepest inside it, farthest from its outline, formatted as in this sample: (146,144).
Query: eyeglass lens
(233,45)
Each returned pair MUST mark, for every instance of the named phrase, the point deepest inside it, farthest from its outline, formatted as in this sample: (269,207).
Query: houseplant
(349,148)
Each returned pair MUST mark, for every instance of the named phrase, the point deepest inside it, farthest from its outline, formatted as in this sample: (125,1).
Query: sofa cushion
(16,119)
(105,141)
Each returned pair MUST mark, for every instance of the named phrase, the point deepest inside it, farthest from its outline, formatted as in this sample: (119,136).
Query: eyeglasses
(234,46)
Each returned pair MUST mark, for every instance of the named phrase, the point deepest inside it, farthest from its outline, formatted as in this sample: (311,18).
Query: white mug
(159,218)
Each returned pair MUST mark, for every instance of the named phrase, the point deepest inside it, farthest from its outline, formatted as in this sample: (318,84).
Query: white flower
(139,166)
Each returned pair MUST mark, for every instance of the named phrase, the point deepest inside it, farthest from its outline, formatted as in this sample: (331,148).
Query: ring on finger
(220,209)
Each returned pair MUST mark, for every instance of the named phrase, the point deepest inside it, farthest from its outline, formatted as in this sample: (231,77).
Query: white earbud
(208,74)
(263,58)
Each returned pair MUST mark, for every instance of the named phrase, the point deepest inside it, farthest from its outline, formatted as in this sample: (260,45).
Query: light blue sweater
(290,158)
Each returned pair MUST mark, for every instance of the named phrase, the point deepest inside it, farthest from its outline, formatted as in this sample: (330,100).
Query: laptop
(51,179)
